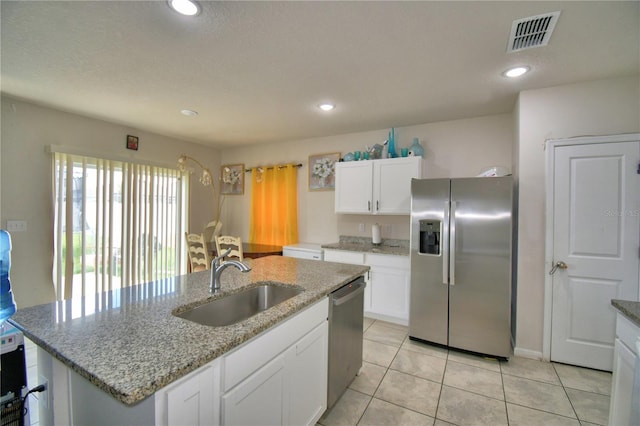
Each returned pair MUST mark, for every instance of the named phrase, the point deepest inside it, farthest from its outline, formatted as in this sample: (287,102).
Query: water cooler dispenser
(13,372)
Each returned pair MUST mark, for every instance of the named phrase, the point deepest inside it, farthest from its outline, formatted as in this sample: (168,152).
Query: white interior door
(596,233)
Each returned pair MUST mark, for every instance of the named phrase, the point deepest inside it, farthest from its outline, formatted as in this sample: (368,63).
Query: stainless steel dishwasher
(346,307)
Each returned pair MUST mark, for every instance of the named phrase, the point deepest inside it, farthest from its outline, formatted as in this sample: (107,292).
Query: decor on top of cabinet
(416,150)
(322,171)
(206,179)
(232,177)
(375,152)
(391,151)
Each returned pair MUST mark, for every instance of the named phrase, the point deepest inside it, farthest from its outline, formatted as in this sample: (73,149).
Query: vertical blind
(116,224)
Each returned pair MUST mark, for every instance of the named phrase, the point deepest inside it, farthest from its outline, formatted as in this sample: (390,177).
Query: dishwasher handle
(348,292)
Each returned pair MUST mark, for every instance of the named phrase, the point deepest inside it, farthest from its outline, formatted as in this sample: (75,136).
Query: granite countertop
(128,343)
(388,246)
(629,309)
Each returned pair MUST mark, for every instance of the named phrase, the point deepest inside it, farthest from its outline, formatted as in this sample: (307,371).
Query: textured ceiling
(255,71)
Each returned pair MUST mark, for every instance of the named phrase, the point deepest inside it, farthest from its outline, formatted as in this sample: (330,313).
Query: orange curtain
(274,205)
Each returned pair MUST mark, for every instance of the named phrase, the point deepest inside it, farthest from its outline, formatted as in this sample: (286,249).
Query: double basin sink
(240,306)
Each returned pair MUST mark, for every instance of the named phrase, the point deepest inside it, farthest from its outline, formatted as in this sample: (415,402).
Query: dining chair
(197,250)
(226,242)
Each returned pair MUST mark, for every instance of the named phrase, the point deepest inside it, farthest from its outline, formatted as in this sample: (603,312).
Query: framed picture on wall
(132,142)
(322,174)
(232,179)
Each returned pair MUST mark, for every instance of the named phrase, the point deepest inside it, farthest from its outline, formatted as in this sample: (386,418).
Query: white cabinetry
(190,400)
(376,186)
(388,283)
(278,377)
(625,404)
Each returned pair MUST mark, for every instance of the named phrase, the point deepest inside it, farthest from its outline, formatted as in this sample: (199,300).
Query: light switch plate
(16,225)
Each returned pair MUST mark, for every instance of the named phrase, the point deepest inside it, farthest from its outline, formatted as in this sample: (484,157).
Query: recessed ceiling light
(185,7)
(326,106)
(189,112)
(515,72)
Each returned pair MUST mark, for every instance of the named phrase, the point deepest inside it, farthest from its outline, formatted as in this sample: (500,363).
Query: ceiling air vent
(534,31)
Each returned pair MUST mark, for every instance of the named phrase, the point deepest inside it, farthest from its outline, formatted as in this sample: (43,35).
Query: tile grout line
(504,392)
(565,392)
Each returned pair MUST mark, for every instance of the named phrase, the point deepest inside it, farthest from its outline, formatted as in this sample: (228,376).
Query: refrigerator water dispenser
(430,236)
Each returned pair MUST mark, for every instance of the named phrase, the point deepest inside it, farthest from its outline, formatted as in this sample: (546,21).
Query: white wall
(26,181)
(452,148)
(594,108)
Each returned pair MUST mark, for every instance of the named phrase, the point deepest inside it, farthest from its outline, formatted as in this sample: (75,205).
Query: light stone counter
(363,244)
(629,309)
(129,344)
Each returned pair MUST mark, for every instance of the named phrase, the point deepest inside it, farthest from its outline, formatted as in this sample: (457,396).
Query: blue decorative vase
(391,151)
(7,304)
(416,150)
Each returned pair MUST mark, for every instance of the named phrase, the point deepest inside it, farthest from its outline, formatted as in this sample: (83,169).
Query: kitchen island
(129,345)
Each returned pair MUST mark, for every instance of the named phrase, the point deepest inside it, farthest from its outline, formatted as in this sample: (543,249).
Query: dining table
(252,250)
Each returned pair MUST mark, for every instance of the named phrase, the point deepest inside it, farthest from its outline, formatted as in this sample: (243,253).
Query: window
(116,224)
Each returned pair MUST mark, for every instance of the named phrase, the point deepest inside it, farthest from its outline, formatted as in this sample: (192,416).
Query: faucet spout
(217,267)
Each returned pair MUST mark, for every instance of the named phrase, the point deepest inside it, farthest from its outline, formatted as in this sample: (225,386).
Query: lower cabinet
(260,399)
(624,408)
(289,390)
(277,378)
(388,283)
(189,401)
(390,287)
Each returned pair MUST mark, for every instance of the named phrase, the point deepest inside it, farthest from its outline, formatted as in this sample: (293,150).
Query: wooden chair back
(226,242)
(198,254)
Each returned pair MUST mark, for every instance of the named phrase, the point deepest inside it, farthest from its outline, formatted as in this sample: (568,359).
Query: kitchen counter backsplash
(365,244)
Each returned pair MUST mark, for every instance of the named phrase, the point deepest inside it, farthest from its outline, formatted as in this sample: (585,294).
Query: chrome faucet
(217,266)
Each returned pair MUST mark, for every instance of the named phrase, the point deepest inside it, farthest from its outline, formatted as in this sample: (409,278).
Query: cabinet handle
(369,206)
(378,205)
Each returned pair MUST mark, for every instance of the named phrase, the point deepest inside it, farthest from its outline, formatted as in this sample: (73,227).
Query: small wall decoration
(132,142)
(232,178)
(322,175)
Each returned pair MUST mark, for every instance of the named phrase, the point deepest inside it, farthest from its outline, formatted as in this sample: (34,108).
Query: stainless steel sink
(240,306)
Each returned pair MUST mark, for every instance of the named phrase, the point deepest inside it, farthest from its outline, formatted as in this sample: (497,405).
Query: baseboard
(528,353)
(386,318)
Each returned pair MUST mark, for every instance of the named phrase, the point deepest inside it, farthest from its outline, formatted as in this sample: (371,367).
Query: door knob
(558,265)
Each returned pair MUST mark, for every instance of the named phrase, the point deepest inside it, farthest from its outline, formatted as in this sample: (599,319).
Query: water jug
(7,304)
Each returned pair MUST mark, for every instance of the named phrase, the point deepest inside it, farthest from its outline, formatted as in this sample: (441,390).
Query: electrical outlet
(43,397)
(16,225)
(361,227)
(387,228)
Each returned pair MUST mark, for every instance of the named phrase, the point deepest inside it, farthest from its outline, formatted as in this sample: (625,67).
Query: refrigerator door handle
(444,240)
(452,244)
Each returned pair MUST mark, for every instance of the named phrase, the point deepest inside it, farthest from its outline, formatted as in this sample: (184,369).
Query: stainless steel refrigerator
(461,263)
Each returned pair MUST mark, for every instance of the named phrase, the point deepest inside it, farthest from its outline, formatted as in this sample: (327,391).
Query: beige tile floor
(403,382)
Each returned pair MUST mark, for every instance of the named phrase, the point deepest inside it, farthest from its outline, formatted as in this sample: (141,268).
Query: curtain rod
(280,166)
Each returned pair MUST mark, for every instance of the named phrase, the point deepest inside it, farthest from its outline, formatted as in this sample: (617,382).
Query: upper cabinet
(376,186)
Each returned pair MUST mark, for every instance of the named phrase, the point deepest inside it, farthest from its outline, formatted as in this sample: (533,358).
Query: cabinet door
(307,372)
(191,401)
(259,399)
(624,361)
(392,184)
(390,292)
(354,187)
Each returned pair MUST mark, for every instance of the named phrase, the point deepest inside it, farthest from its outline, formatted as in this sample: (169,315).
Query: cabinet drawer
(263,348)
(388,260)
(342,256)
(627,332)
